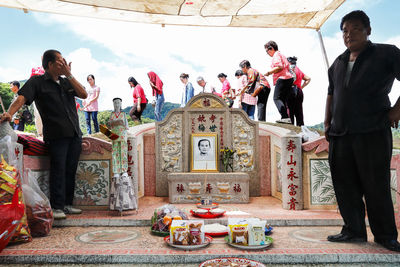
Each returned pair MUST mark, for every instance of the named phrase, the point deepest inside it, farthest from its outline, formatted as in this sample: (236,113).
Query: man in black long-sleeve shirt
(358,118)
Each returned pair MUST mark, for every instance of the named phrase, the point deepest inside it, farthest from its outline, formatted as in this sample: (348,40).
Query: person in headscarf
(157,88)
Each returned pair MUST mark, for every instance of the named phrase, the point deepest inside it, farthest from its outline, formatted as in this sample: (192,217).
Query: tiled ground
(291,244)
(295,242)
(286,239)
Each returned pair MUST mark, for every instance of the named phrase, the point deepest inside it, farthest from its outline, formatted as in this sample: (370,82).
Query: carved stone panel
(322,192)
(92,183)
(243,142)
(171,144)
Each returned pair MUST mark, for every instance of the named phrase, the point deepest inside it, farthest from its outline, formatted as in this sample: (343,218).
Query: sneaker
(71,210)
(287,121)
(58,214)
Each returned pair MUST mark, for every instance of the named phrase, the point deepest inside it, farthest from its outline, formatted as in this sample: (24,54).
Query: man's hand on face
(64,67)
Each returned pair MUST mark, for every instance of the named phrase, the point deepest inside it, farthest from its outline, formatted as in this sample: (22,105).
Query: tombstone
(179,170)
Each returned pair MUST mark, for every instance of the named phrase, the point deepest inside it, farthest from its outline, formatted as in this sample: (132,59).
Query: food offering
(187,235)
(163,218)
(231,262)
(216,229)
(247,233)
(208,213)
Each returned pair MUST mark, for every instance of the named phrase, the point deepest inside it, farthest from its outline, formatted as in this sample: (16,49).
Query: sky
(112,51)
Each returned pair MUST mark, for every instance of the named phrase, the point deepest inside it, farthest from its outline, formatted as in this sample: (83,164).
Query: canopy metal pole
(321,42)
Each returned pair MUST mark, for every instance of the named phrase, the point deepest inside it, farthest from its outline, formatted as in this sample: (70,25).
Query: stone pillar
(292,176)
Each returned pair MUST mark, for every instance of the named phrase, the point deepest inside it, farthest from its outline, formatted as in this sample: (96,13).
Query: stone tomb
(206,114)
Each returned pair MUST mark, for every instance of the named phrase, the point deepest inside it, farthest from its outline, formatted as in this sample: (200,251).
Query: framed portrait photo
(204,152)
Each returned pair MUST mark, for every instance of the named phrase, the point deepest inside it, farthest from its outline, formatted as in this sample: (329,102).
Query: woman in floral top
(258,86)
(227,91)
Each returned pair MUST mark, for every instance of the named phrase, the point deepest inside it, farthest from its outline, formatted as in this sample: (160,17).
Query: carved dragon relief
(171,144)
(243,143)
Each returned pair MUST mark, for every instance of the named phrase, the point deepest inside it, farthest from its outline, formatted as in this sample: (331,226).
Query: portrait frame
(204,152)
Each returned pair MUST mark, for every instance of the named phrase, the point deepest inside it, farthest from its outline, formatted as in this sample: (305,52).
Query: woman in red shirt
(139,100)
(157,86)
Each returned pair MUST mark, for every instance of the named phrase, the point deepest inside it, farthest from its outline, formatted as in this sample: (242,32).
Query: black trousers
(281,95)
(360,167)
(262,99)
(64,157)
(135,115)
(295,105)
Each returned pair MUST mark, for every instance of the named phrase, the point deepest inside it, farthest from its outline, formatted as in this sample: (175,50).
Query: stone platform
(299,238)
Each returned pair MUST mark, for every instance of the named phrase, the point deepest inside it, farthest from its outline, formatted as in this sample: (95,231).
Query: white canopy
(225,13)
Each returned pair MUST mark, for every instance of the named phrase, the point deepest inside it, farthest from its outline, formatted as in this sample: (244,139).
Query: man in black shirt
(358,117)
(55,99)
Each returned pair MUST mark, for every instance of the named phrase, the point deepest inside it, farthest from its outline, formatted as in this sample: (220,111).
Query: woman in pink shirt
(90,105)
(283,79)
(227,92)
(139,100)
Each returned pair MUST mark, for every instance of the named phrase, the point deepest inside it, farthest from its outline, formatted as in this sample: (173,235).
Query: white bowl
(201,211)
(217,211)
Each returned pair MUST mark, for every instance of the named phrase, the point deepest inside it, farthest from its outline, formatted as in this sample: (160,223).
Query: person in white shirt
(205,86)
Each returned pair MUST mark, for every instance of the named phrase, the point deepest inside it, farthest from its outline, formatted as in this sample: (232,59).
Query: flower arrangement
(227,158)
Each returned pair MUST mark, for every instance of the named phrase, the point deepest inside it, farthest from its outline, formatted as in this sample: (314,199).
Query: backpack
(27,115)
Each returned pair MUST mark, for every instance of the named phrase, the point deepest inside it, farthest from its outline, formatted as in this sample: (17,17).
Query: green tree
(6,94)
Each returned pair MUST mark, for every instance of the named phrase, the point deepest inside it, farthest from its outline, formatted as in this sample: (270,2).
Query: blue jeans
(159,103)
(64,156)
(249,109)
(95,123)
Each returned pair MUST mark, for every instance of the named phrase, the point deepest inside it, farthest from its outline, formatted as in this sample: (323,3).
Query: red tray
(217,234)
(208,215)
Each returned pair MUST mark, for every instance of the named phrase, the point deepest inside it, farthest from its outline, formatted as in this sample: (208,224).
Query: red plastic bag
(11,214)
(38,209)
(10,181)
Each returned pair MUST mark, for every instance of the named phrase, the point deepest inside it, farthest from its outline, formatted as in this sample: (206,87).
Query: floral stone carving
(92,183)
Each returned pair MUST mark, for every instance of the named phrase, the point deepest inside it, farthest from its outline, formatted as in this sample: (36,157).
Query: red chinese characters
(237,188)
(292,175)
(221,129)
(291,162)
(209,188)
(292,203)
(193,124)
(201,118)
(206,102)
(291,147)
(292,189)
(212,118)
(180,188)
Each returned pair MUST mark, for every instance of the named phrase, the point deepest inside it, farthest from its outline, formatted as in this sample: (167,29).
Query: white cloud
(8,74)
